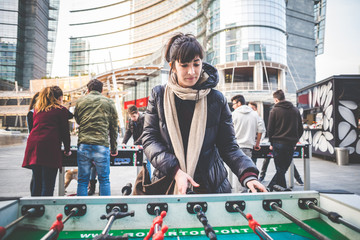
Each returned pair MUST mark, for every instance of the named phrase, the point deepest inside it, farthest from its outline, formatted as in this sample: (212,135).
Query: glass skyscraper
(24,27)
(247,42)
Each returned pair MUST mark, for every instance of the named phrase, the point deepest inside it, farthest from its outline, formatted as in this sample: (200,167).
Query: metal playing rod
(72,212)
(111,217)
(157,213)
(53,233)
(127,189)
(275,206)
(210,233)
(333,216)
(157,229)
(29,212)
(110,221)
(258,230)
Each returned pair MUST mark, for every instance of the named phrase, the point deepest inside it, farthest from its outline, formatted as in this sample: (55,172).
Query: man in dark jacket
(135,126)
(285,129)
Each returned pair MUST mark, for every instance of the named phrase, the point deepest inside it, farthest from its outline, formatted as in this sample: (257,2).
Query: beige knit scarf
(198,123)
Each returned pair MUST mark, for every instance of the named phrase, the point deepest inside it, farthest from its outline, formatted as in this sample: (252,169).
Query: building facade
(117,34)
(100,36)
(258,46)
(24,38)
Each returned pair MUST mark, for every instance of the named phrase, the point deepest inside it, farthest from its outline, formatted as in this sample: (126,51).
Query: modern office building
(24,38)
(52,34)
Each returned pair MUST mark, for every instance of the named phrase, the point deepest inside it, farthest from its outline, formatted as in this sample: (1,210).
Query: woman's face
(188,73)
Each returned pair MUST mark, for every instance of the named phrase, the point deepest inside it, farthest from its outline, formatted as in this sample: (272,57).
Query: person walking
(50,129)
(248,126)
(98,120)
(266,161)
(285,129)
(188,130)
(135,126)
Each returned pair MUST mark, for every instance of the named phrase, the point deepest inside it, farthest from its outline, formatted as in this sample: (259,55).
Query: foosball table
(302,151)
(275,215)
(128,155)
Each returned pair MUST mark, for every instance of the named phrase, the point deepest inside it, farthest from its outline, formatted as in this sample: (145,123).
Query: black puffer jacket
(219,141)
(135,129)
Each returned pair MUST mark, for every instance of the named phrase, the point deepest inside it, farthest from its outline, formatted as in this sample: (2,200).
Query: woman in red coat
(43,150)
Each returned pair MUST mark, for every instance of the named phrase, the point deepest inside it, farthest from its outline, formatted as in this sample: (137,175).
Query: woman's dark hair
(183,48)
(33,101)
(57,91)
(95,85)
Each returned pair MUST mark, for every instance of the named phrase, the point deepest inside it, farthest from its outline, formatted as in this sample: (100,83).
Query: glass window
(245,56)
(257,56)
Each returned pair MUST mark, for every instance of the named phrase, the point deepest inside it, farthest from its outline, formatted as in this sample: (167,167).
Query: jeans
(101,156)
(43,181)
(283,154)
(264,167)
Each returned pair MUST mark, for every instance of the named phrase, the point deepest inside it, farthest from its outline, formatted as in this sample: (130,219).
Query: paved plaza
(324,174)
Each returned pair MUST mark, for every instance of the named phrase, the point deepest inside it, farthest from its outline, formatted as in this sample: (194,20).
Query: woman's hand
(255,184)
(182,179)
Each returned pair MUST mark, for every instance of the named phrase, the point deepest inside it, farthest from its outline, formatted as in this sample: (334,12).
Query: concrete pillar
(281,80)
(258,76)
(221,77)
(118,105)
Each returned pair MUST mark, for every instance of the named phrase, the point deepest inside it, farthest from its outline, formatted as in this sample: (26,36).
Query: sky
(341,49)
(342,40)
(62,48)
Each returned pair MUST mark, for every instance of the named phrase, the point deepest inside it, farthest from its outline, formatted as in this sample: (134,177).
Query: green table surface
(278,232)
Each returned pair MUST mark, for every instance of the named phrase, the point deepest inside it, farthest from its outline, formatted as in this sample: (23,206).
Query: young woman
(188,130)
(43,150)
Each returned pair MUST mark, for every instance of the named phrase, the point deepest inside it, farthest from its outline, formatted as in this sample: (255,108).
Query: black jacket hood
(284,104)
(212,80)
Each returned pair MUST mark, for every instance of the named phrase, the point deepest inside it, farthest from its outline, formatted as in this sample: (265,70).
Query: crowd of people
(188,132)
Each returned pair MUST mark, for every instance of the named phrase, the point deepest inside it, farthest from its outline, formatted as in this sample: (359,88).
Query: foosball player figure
(157,231)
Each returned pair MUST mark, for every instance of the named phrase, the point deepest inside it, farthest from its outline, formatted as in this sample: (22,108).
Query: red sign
(141,102)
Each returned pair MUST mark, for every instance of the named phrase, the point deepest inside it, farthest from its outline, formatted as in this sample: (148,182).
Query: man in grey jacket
(247,125)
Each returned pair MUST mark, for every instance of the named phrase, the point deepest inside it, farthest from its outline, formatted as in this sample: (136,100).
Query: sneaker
(299,182)
(261,179)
